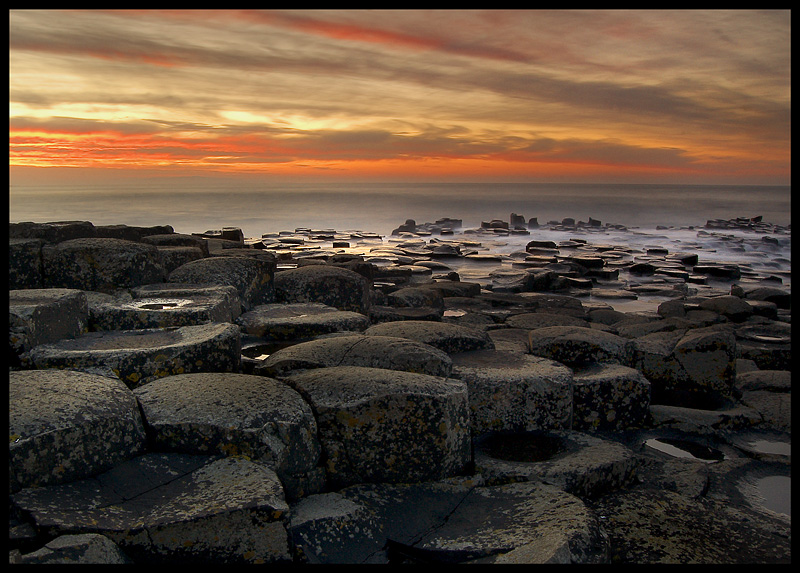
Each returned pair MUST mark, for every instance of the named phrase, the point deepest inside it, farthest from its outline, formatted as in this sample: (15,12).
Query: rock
(341,288)
(41,316)
(610,397)
(704,422)
(378,425)
(520,523)
(450,338)
(416,297)
(173,508)
(253,278)
(581,464)
(730,306)
(131,233)
(85,549)
(66,425)
(139,356)
(533,320)
(54,232)
(450,288)
(236,415)
(576,345)
(298,321)
(25,263)
(173,257)
(659,526)
(511,391)
(780,297)
(177,240)
(540,244)
(100,264)
(533,223)
(706,357)
(166,290)
(164,310)
(720,271)
(388,352)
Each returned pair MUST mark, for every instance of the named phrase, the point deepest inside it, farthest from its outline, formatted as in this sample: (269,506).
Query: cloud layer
(677,96)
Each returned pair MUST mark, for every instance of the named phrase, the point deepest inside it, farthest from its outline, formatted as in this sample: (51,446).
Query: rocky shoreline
(319,396)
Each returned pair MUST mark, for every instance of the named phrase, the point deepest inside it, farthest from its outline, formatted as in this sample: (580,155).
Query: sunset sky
(409,95)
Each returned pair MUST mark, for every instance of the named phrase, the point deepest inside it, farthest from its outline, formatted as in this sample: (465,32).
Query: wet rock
(533,320)
(139,356)
(450,338)
(85,549)
(610,397)
(25,263)
(41,316)
(236,415)
(298,321)
(166,290)
(576,345)
(253,278)
(511,391)
(700,421)
(780,297)
(333,286)
(100,264)
(388,352)
(450,288)
(173,508)
(67,425)
(378,425)
(581,464)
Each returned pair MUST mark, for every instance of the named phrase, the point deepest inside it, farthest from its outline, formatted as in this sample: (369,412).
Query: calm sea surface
(382,207)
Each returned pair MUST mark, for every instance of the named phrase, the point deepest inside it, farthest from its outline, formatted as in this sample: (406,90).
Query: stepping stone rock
(511,391)
(85,549)
(100,264)
(162,311)
(576,345)
(177,240)
(333,286)
(140,356)
(40,316)
(25,263)
(533,320)
(450,338)
(377,425)
(579,463)
(528,522)
(66,425)
(53,232)
(392,353)
(236,415)
(296,321)
(173,508)
(253,278)
(610,397)
(732,307)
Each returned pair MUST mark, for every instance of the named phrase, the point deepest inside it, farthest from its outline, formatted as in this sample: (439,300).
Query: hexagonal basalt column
(296,321)
(512,391)
(100,264)
(610,397)
(379,425)
(67,425)
(140,356)
(236,414)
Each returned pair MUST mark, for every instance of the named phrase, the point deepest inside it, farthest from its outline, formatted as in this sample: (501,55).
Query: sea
(381,207)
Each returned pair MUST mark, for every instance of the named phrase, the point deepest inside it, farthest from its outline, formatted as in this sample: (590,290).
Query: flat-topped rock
(139,356)
(100,264)
(333,286)
(576,345)
(164,311)
(610,397)
(532,320)
(25,263)
(227,292)
(236,415)
(379,425)
(67,425)
(512,391)
(173,508)
(450,338)
(40,316)
(253,278)
(297,321)
(390,352)
(84,549)
(579,463)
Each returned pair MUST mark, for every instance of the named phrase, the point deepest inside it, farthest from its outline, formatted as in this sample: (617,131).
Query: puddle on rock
(685,449)
(523,447)
(776,492)
(263,351)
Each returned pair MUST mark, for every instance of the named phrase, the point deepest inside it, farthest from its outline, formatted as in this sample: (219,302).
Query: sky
(639,96)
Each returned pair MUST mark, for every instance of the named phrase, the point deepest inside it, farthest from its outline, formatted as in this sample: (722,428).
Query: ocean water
(381,207)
